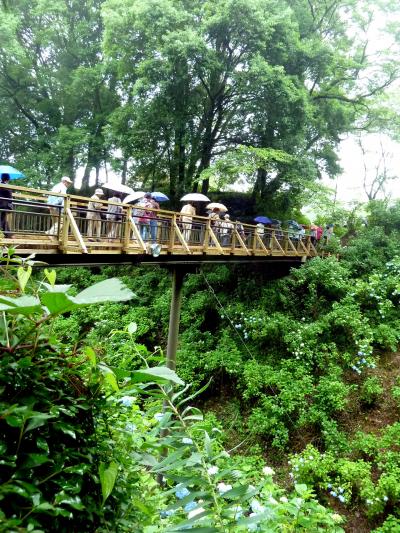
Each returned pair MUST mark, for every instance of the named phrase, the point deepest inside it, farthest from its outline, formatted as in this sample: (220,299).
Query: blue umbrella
(159,196)
(263,220)
(12,172)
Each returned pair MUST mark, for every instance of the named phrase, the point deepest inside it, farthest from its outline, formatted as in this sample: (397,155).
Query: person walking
(93,214)
(226,228)
(144,215)
(6,205)
(153,219)
(187,213)
(215,223)
(55,204)
(114,215)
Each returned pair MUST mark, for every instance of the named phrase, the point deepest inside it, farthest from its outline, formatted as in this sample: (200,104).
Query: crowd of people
(144,214)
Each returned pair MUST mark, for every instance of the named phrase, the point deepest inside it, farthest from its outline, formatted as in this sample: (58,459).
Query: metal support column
(178,273)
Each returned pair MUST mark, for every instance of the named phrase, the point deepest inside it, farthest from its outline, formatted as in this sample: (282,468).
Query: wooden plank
(136,232)
(180,236)
(75,231)
(241,242)
(215,241)
(263,247)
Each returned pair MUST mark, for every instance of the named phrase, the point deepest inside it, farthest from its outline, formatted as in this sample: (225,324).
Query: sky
(350,182)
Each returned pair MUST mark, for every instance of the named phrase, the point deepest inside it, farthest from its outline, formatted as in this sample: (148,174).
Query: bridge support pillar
(178,273)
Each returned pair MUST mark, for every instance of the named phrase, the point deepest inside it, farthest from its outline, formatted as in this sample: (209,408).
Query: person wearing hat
(56,203)
(6,205)
(93,214)
(226,228)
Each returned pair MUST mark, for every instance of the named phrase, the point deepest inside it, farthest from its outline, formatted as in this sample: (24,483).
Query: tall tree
(53,87)
(202,77)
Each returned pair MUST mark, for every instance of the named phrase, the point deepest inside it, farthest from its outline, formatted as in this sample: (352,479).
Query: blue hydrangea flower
(186,440)
(190,506)
(333,493)
(130,427)
(165,514)
(127,401)
(181,492)
(341,498)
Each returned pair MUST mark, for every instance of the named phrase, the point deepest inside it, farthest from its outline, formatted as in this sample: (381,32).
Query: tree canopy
(162,89)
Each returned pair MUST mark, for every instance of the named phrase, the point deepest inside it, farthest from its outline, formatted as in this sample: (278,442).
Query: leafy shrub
(370,391)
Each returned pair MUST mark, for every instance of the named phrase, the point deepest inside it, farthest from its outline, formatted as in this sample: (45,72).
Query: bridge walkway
(68,230)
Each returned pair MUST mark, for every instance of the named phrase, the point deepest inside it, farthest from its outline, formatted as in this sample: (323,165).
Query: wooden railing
(37,226)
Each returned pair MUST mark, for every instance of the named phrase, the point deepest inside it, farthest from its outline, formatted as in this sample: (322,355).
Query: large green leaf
(158,374)
(57,302)
(109,376)
(110,290)
(107,479)
(24,305)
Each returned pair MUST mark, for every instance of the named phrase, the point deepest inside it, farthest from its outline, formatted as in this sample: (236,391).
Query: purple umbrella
(263,220)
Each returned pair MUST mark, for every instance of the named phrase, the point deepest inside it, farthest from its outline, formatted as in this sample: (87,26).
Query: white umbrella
(117,187)
(133,197)
(216,205)
(195,197)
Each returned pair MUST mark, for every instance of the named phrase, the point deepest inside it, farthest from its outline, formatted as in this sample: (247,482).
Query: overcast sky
(350,182)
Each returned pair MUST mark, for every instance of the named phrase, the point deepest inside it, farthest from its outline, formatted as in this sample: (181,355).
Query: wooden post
(65,228)
(127,229)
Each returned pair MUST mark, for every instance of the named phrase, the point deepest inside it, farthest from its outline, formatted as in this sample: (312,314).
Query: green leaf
(110,290)
(37,421)
(158,374)
(90,354)
(207,445)
(24,305)
(107,479)
(56,288)
(23,276)
(235,492)
(35,459)
(57,302)
(51,276)
(109,376)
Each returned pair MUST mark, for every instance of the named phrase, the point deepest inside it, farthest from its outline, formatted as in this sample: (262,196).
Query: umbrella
(133,197)
(216,205)
(294,224)
(263,220)
(159,196)
(12,172)
(118,187)
(195,197)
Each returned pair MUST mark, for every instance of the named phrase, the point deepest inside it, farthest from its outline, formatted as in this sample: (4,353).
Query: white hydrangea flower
(223,487)
(212,470)
(268,471)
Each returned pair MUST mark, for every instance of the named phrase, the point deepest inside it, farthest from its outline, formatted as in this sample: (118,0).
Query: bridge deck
(73,229)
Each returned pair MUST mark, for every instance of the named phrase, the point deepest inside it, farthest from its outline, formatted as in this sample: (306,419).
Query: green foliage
(371,390)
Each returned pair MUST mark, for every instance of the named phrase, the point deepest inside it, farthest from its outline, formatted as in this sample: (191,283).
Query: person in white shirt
(56,202)
(93,214)
(226,231)
(187,212)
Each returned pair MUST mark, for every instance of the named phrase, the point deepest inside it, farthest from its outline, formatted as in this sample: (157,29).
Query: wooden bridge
(72,233)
